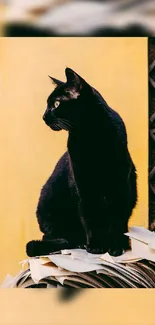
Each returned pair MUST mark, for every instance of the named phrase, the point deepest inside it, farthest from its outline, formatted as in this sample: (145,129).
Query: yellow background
(92,307)
(30,150)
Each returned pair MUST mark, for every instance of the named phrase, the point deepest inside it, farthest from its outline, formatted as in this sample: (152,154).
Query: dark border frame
(151,82)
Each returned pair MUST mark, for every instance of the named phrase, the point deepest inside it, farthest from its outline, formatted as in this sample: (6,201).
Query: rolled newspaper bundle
(76,268)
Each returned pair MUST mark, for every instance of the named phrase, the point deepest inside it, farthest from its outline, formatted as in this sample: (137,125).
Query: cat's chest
(71,178)
(85,146)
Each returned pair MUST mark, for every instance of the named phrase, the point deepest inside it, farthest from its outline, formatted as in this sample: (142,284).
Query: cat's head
(65,105)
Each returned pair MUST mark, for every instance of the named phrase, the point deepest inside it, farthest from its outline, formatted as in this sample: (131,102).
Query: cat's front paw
(97,247)
(118,245)
(116,251)
(96,250)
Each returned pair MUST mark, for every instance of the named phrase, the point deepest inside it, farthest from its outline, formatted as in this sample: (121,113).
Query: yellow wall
(30,150)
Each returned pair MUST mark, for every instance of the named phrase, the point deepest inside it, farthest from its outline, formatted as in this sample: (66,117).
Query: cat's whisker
(56,125)
(65,120)
(68,123)
(65,123)
(60,122)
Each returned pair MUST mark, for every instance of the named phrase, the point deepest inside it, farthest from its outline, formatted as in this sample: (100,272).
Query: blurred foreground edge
(27,30)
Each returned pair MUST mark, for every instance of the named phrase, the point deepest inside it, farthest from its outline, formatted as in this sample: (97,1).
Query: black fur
(91,194)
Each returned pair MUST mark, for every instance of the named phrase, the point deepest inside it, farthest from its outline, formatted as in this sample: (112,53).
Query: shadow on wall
(67,294)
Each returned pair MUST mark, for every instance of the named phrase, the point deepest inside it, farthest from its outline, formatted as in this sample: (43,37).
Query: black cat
(88,199)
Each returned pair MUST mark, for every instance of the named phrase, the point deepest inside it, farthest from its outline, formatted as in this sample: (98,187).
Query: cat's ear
(56,81)
(74,79)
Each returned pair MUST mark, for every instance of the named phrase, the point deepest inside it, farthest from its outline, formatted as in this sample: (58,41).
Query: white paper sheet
(87,257)
(127,257)
(39,271)
(74,265)
(143,250)
(10,282)
(141,234)
(7,281)
(142,242)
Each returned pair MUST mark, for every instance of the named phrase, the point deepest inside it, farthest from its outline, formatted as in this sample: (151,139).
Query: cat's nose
(44,117)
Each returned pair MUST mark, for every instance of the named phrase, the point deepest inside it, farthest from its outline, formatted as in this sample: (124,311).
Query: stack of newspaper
(77,268)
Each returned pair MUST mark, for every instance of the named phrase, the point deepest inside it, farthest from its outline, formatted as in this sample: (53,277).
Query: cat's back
(118,123)
(112,118)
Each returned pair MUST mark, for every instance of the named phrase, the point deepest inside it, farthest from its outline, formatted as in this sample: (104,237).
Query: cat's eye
(56,104)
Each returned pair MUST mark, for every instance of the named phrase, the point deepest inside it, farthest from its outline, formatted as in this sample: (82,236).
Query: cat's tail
(41,247)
